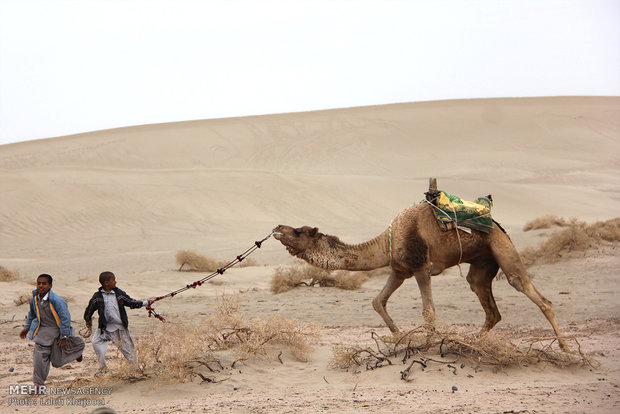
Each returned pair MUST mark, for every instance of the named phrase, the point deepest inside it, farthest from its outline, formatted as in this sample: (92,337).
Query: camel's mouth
(277,234)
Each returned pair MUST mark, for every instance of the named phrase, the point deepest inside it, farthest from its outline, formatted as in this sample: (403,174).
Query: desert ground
(128,199)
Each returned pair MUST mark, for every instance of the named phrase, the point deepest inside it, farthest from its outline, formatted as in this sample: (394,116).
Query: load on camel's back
(420,243)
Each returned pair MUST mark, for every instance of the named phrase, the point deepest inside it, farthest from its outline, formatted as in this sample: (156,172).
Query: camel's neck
(332,254)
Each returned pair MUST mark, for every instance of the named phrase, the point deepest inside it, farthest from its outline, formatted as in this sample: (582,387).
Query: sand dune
(128,199)
(348,171)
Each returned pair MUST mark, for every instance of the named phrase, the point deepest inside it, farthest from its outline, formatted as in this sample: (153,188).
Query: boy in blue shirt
(48,324)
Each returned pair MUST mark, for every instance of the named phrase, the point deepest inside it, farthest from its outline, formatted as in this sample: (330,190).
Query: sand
(127,200)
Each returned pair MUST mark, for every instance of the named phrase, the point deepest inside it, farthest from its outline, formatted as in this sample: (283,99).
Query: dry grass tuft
(248,262)
(165,353)
(577,236)
(424,346)
(22,299)
(545,222)
(350,280)
(608,231)
(176,352)
(381,272)
(196,262)
(229,329)
(287,278)
(7,275)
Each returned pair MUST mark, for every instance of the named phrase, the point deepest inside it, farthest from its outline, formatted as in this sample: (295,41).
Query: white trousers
(120,338)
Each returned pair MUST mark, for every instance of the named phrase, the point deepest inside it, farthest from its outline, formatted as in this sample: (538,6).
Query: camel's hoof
(483,332)
(564,347)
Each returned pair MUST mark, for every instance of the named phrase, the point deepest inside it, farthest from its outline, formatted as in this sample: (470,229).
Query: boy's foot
(79,359)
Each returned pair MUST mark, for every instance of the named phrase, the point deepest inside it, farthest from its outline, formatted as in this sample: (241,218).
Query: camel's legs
(480,277)
(510,262)
(428,307)
(380,302)
(544,304)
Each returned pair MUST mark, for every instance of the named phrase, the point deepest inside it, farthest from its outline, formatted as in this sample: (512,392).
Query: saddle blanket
(472,214)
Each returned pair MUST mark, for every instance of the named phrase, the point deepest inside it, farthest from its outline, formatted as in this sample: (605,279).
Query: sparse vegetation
(248,262)
(191,261)
(22,299)
(424,346)
(287,278)
(577,236)
(7,275)
(177,352)
(229,329)
(545,222)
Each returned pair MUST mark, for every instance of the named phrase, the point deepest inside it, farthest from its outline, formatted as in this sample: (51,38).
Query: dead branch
(404,375)
(498,352)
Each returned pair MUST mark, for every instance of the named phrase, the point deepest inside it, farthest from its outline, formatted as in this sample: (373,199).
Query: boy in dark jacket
(109,301)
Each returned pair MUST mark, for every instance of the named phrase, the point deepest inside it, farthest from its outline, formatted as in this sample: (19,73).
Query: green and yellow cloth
(472,214)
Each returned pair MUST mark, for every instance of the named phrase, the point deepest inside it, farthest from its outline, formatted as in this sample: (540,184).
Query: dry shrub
(229,329)
(248,262)
(578,236)
(227,315)
(177,352)
(7,275)
(22,299)
(608,231)
(350,280)
(545,222)
(380,272)
(167,353)
(424,345)
(287,278)
(197,262)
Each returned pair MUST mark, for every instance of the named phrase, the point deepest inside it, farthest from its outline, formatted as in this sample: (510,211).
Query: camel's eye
(297,232)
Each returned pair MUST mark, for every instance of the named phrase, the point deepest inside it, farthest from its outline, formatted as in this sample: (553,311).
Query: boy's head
(107,280)
(44,284)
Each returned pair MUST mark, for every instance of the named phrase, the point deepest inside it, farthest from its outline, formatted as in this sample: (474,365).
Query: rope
(390,231)
(220,271)
(458,236)
(456,228)
(85,332)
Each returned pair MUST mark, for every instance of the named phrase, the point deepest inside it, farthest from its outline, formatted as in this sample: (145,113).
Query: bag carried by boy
(73,349)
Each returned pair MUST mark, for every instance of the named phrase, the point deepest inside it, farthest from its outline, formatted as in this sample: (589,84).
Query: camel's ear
(313,232)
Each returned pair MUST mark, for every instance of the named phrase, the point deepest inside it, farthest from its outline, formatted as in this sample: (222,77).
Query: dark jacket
(97,303)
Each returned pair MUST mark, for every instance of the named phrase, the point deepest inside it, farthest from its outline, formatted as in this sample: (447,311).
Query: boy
(48,324)
(110,302)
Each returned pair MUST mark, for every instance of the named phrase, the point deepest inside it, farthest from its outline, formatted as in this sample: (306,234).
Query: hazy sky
(77,66)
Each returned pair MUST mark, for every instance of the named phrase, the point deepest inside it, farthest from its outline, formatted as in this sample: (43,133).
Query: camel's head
(296,240)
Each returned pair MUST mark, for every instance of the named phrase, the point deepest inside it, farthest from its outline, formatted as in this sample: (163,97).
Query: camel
(416,245)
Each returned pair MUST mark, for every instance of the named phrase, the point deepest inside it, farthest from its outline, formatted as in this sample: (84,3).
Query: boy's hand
(23,333)
(62,342)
